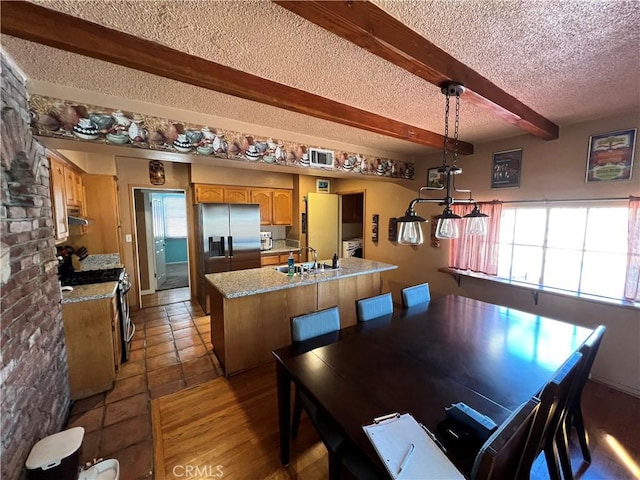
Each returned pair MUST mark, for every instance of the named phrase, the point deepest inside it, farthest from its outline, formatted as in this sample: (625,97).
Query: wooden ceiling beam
(371,28)
(48,27)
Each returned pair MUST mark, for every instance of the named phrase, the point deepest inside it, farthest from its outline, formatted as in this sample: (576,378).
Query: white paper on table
(392,439)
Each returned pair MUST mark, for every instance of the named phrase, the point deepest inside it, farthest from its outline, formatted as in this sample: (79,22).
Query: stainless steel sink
(307,266)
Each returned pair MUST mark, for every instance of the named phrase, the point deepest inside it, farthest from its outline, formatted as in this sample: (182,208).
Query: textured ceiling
(567,60)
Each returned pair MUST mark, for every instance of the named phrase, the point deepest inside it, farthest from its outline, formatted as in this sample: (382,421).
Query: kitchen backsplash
(53,117)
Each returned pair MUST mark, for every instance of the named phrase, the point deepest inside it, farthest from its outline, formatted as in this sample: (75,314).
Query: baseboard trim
(617,386)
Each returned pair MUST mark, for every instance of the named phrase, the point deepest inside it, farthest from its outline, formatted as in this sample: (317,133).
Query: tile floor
(171,350)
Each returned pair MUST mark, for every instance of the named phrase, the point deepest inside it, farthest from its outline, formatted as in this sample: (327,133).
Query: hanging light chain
(445,149)
(456,126)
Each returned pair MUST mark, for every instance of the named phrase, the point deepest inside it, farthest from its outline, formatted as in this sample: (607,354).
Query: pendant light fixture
(409,228)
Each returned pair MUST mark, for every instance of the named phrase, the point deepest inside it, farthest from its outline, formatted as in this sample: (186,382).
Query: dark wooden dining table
(420,360)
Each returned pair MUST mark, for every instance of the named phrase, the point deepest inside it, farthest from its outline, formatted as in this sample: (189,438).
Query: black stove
(85,277)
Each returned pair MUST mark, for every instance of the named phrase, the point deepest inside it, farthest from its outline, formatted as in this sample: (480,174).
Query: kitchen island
(251,309)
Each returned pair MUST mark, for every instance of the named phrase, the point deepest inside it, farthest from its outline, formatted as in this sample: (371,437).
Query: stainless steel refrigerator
(228,239)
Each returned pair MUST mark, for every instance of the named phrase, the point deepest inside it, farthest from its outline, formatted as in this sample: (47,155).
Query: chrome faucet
(315,256)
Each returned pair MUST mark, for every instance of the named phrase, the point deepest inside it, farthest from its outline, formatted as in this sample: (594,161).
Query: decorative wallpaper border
(53,117)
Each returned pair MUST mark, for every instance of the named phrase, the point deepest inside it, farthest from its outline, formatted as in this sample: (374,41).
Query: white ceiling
(567,60)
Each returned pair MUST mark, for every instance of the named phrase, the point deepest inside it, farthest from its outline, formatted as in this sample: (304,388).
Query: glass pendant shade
(409,229)
(410,233)
(447,228)
(476,222)
(476,226)
(447,224)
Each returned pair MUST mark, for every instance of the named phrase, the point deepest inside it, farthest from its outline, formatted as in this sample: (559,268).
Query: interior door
(157,211)
(323,224)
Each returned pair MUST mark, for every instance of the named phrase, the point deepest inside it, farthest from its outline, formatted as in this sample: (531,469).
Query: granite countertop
(101,261)
(93,291)
(241,283)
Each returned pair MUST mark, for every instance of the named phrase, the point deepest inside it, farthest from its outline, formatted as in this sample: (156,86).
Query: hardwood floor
(230,426)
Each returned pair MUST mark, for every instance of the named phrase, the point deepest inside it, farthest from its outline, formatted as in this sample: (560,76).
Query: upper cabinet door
(209,194)
(73,187)
(236,195)
(59,199)
(264,198)
(282,207)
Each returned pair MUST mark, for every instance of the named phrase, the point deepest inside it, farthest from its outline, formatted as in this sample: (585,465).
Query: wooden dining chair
(553,404)
(573,416)
(416,295)
(306,327)
(374,307)
(499,457)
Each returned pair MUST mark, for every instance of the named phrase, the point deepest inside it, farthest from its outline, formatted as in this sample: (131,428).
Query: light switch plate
(128,238)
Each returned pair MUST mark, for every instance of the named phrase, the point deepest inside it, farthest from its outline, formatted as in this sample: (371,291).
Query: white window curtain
(632,280)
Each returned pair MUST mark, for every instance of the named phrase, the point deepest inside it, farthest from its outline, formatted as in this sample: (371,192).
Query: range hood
(74,216)
(73,220)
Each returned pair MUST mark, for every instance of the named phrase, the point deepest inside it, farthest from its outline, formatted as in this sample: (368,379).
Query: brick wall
(33,377)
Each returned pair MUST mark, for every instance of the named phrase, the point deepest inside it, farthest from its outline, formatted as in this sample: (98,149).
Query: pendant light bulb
(476,226)
(476,222)
(410,233)
(447,228)
(409,228)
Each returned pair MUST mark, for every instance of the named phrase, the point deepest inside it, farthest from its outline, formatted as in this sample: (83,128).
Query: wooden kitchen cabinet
(282,207)
(58,199)
(352,208)
(264,198)
(92,335)
(208,194)
(277,259)
(74,187)
(276,207)
(236,195)
(220,194)
(104,232)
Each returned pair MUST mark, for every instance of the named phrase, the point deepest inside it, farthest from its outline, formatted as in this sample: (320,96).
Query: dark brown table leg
(284,412)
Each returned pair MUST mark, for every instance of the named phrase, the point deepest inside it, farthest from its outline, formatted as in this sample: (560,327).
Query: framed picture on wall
(506,168)
(435,179)
(322,186)
(610,156)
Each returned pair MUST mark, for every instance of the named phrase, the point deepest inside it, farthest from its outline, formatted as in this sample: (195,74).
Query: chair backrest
(314,324)
(589,351)
(553,403)
(415,295)
(373,307)
(499,457)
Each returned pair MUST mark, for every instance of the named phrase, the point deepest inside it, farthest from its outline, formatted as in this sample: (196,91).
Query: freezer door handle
(230,240)
(223,251)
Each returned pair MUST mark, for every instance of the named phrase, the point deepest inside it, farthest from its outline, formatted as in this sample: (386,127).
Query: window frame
(180,197)
(540,285)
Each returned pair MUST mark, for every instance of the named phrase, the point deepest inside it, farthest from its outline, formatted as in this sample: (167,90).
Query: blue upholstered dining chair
(306,327)
(314,324)
(374,307)
(416,295)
